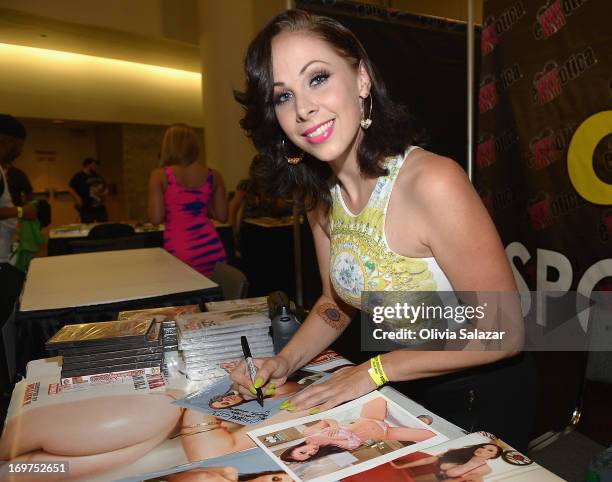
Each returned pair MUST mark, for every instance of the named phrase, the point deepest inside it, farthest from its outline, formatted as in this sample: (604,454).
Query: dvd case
(101,333)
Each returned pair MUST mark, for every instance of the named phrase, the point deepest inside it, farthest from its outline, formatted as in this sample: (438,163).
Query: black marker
(251,366)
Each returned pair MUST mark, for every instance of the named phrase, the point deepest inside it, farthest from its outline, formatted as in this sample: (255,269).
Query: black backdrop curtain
(422,61)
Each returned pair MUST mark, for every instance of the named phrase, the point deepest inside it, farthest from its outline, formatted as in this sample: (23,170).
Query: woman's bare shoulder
(429,176)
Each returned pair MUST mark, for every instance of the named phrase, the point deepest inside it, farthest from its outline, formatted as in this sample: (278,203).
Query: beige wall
(141,145)
(109,149)
(39,83)
(171,19)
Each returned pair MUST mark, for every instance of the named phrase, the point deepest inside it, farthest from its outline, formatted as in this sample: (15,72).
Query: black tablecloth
(34,328)
(268,263)
(150,239)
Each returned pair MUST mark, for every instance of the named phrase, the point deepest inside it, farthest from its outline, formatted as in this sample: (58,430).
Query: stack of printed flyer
(166,316)
(108,349)
(209,341)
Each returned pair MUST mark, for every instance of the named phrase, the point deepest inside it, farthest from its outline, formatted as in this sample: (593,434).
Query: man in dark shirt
(88,189)
(19,186)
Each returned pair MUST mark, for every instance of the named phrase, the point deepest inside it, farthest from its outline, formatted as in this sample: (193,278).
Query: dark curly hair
(287,455)
(389,135)
(463,455)
(218,398)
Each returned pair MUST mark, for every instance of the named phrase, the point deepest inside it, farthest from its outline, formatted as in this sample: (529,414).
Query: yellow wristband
(376,371)
(19,212)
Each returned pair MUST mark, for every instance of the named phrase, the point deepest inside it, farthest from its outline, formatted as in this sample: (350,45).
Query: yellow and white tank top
(360,255)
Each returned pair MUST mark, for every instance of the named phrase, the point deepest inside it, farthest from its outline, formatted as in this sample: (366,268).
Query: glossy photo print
(345,440)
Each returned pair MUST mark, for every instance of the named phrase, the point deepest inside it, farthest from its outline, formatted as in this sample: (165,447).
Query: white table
(80,288)
(107,277)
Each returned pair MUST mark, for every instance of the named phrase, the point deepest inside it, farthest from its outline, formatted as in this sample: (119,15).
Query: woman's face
(304,452)
(227,401)
(487,451)
(317,95)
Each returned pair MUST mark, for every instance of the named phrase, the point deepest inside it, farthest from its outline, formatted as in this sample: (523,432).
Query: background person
(186,195)
(385,216)
(12,136)
(88,189)
(252,201)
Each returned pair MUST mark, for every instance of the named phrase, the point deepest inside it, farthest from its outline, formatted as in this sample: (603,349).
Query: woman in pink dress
(185,195)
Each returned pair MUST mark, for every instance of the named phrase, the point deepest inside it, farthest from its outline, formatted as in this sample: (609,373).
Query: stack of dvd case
(108,347)
(211,340)
(166,316)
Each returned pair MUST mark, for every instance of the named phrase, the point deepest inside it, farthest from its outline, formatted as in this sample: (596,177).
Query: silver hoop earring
(366,121)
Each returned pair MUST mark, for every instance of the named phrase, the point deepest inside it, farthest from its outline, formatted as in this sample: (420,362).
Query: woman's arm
(425,461)
(155,205)
(324,324)
(458,231)
(320,425)
(77,199)
(218,205)
(234,208)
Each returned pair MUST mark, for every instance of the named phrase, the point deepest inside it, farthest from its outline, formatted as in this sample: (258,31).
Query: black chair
(11,281)
(110,230)
(232,281)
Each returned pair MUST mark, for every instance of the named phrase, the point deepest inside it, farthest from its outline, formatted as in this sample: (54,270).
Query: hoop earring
(293,160)
(366,122)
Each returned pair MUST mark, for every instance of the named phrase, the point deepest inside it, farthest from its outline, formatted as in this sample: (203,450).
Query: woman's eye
(282,98)
(319,78)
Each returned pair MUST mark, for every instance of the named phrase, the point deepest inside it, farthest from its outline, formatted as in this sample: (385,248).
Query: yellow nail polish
(272,385)
(283,405)
(314,411)
(252,390)
(270,391)
(291,408)
(259,382)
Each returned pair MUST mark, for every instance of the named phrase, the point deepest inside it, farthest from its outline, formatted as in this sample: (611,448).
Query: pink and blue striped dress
(190,235)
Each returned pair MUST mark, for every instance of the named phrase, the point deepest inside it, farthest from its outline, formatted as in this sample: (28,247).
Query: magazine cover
(168,313)
(223,401)
(345,440)
(215,322)
(250,465)
(476,457)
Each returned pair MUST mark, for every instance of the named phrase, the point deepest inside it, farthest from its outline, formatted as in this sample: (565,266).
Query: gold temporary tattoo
(332,315)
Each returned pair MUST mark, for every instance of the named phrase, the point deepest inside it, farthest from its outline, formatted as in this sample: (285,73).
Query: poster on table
(121,427)
(345,440)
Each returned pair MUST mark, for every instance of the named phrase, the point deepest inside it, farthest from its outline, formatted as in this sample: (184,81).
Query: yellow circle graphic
(580,158)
